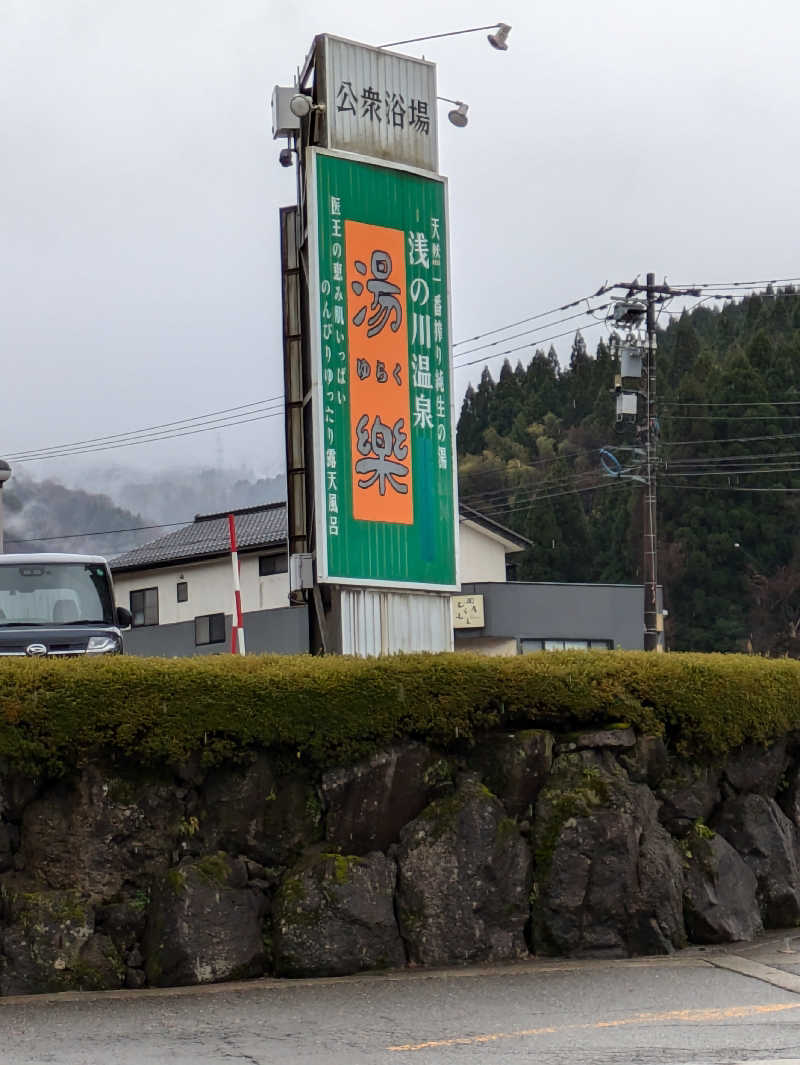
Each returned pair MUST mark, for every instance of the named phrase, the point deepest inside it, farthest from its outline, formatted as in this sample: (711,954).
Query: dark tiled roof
(256,527)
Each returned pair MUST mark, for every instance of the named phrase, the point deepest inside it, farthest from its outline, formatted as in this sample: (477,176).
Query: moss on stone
(188,827)
(438,772)
(291,890)
(140,900)
(571,798)
(441,816)
(124,791)
(342,865)
(696,845)
(701,829)
(507,829)
(176,880)
(213,868)
(313,808)
(84,977)
(65,908)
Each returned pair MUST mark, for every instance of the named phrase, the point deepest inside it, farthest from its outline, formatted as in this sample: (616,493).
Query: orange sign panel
(377,333)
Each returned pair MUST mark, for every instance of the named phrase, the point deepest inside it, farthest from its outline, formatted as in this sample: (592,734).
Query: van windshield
(55,593)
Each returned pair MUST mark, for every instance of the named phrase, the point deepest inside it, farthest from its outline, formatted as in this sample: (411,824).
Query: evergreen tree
(580,381)
(506,400)
(541,389)
(469,438)
(727,472)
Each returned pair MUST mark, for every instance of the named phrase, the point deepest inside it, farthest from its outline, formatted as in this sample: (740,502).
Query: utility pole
(630,312)
(5,474)
(653,623)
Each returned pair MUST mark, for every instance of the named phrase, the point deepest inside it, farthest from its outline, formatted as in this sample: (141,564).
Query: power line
(730,417)
(731,403)
(524,500)
(517,507)
(99,532)
(213,420)
(736,473)
(487,498)
(153,428)
(740,284)
(510,351)
(530,493)
(527,332)
(734,294)
(145,439)
(724,488)
(720,459)
(136,436)
(729,440)
(532,318)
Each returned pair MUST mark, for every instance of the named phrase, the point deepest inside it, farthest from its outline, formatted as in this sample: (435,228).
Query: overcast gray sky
(139,186)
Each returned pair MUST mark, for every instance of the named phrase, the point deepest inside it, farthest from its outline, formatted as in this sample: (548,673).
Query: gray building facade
(554,616)
(281,631)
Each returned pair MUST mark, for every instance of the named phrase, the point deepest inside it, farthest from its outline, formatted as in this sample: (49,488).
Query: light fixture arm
(436,36)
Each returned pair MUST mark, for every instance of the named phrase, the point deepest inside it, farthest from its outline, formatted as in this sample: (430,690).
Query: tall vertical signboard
(377,104)
(386,510)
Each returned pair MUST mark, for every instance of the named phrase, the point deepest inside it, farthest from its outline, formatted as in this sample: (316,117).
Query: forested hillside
(728,471)
(49,516)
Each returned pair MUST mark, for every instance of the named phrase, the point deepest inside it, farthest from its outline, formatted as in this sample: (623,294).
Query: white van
(59,605)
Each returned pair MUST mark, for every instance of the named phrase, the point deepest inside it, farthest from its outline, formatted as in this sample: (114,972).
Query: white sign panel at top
(380,104)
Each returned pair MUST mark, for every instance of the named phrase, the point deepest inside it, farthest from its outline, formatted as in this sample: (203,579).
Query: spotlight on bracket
(301,105)
(458,116)
(499,39)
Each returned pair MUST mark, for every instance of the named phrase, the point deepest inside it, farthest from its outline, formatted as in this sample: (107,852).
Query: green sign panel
(385,455)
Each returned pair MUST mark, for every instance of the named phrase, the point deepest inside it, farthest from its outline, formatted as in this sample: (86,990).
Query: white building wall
(210,588)
(480,554)
(482,558)
(261,593)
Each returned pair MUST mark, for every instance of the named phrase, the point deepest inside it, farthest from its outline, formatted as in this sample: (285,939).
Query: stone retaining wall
(597,843)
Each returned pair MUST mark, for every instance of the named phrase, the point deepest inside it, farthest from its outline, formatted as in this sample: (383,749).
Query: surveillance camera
(285,157)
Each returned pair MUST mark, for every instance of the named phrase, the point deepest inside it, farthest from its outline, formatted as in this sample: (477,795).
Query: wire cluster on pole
(633,401)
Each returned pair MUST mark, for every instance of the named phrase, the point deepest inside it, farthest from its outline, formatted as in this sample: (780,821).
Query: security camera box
(284,122)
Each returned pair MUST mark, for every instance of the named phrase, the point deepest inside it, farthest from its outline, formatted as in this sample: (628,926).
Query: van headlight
(104,645)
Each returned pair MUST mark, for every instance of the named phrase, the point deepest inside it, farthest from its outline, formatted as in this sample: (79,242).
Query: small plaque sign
(468,612)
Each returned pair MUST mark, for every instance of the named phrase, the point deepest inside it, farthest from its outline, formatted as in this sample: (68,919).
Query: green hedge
(55,715)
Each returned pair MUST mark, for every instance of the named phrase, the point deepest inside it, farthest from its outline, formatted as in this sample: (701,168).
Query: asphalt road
(714,1006)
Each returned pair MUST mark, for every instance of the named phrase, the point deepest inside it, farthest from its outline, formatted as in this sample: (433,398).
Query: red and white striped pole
(237,622)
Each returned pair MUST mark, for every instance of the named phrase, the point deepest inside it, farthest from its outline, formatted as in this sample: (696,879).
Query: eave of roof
(474,517)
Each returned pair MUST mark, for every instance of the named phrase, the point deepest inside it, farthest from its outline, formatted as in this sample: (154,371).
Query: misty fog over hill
(111,513)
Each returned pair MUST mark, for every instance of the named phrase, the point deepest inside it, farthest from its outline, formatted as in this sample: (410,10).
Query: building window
(183,591)
(209,628)
(269,564)
(526,646)
(144,607)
